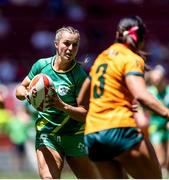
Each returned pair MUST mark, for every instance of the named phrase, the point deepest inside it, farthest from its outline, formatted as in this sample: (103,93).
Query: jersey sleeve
(35,69)
(134,66)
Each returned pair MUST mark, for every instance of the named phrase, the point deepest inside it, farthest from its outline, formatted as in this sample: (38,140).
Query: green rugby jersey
(163,97)
(67,85)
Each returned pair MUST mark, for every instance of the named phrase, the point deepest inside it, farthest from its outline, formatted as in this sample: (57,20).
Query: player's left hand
(54,101)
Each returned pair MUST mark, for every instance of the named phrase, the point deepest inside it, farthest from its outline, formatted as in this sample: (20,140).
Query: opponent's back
(110,100)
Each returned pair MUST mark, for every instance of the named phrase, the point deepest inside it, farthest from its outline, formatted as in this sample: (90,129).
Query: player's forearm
(150,101)
(77,113)
(21,90)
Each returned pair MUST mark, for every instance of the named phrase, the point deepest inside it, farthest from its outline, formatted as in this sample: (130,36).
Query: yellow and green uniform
(52,122)
(110,100)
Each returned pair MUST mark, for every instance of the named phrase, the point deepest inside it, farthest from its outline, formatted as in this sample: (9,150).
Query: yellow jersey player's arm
(21,90)
(138,89)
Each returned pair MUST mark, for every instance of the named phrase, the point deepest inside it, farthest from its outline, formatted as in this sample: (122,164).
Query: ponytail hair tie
(132,32)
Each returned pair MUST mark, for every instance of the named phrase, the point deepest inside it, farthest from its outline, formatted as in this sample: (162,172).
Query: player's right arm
(21,90)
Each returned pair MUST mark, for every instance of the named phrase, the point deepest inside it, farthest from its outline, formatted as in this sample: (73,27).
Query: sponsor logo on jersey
(62,90)
(81,147)
(43,137)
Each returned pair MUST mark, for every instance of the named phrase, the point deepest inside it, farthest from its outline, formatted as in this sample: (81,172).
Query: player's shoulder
(118,51)
(135,60)
(123,50)
(78,67)
(44,61)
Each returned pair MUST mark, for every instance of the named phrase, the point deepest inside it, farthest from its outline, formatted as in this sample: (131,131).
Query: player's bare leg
(85,170)
(50,163)
(141,162)
(111,170)
(161,150)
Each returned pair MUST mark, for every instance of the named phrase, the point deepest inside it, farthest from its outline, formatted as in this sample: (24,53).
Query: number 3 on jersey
(99,88)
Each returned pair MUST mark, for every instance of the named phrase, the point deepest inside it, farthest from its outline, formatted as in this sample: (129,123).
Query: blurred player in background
(60,129)
(158,125)
(17,129)
(116,78)
(5,113)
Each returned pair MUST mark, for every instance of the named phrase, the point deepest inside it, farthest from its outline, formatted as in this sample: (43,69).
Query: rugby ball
(39,89)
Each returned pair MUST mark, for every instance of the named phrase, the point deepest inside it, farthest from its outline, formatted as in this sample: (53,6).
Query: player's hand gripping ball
(41,87)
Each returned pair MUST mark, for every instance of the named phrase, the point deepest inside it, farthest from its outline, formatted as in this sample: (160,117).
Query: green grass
(67,175)
(18,175)
(31,175)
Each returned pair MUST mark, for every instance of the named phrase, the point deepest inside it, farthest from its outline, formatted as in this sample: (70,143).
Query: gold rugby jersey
(110,100)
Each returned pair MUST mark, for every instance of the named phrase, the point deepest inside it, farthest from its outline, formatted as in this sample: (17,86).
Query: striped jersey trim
(61,125)
(135,73)
(41,124)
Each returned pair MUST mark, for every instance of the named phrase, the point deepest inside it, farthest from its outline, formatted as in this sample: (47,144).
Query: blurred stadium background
(27,30)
